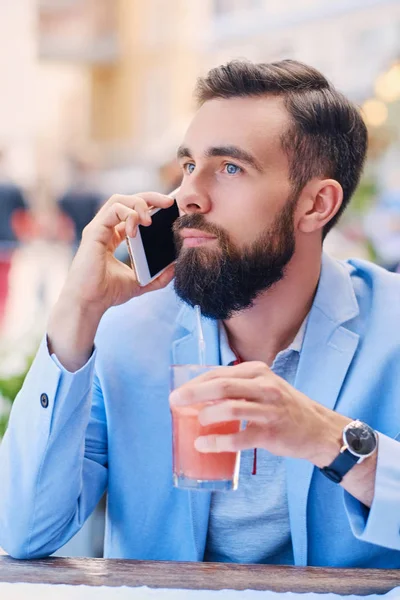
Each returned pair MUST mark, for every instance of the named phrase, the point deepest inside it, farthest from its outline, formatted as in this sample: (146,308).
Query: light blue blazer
(109,426)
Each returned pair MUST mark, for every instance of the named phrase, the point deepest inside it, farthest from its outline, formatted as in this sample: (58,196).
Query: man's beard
(224,280)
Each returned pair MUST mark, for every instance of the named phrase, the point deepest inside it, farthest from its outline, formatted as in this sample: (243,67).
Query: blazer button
(44,400)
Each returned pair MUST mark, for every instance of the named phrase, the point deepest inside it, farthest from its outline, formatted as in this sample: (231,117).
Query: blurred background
(95,98)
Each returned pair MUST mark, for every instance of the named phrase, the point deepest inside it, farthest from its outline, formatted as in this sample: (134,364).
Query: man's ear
(321,201)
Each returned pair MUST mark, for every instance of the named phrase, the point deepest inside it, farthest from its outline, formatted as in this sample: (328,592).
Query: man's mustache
(197,221)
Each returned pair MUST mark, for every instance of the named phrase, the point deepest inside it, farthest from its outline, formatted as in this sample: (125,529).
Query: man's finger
(146,198)
(225,388)
(234,442)
(235,410)
(161,281)
(102,227)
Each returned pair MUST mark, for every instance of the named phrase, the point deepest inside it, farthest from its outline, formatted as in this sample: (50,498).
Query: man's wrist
(71,332)
(329,440)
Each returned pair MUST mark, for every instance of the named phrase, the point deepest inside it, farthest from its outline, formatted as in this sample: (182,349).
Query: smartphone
(152,250)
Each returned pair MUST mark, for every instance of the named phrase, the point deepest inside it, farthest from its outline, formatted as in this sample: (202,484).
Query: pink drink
(193,469)
(217,471)
(187,460)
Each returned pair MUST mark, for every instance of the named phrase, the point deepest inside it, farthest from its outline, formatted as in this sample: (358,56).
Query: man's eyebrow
(183,152)
(235,152)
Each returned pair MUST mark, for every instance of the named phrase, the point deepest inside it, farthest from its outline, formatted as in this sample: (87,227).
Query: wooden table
(215,576)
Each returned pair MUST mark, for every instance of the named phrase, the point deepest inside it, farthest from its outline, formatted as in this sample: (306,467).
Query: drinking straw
(200,336)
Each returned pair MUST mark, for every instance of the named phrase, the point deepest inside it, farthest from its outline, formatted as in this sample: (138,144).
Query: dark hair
(327,138)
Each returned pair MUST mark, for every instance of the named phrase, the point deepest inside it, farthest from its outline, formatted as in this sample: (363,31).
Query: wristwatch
(359,442)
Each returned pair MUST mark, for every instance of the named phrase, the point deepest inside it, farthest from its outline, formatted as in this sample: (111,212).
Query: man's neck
(271,324)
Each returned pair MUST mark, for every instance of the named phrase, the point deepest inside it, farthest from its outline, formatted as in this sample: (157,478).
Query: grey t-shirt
(251,525)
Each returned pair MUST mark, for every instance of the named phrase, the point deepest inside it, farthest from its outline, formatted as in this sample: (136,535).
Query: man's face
(236,235)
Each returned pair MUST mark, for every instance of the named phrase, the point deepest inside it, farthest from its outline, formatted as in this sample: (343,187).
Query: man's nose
(193,200)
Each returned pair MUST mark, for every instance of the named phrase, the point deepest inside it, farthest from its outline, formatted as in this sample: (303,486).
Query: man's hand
(279,418)
(97,280)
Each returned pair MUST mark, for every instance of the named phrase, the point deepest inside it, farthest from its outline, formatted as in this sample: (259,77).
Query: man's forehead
(257,122)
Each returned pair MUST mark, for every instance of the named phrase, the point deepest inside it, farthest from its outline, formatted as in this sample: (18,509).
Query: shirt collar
(297,343)
(228,356)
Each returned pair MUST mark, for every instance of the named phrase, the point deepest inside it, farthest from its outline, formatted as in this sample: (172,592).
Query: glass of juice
(192,469)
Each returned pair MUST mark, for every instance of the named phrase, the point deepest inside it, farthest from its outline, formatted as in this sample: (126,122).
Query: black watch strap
(340,466)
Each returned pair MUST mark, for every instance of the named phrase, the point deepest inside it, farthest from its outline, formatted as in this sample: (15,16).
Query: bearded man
(269,163)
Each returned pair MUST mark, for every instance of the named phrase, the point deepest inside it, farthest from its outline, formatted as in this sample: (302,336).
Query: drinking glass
(192,469)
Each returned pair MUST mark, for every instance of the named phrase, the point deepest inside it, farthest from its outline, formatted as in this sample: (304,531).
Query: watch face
(360,438)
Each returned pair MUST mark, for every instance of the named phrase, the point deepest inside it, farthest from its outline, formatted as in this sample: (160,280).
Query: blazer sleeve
(381,523)
(53,458)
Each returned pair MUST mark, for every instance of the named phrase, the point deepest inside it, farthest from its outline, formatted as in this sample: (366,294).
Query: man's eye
(232,169)
(188,167)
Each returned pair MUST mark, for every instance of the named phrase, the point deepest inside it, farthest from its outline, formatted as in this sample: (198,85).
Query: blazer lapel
(185,350)
(325,358)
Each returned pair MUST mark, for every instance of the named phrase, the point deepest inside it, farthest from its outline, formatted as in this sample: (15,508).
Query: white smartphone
(152,250)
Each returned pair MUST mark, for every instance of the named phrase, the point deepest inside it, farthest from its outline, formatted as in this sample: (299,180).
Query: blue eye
(232,169)
(188,168)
